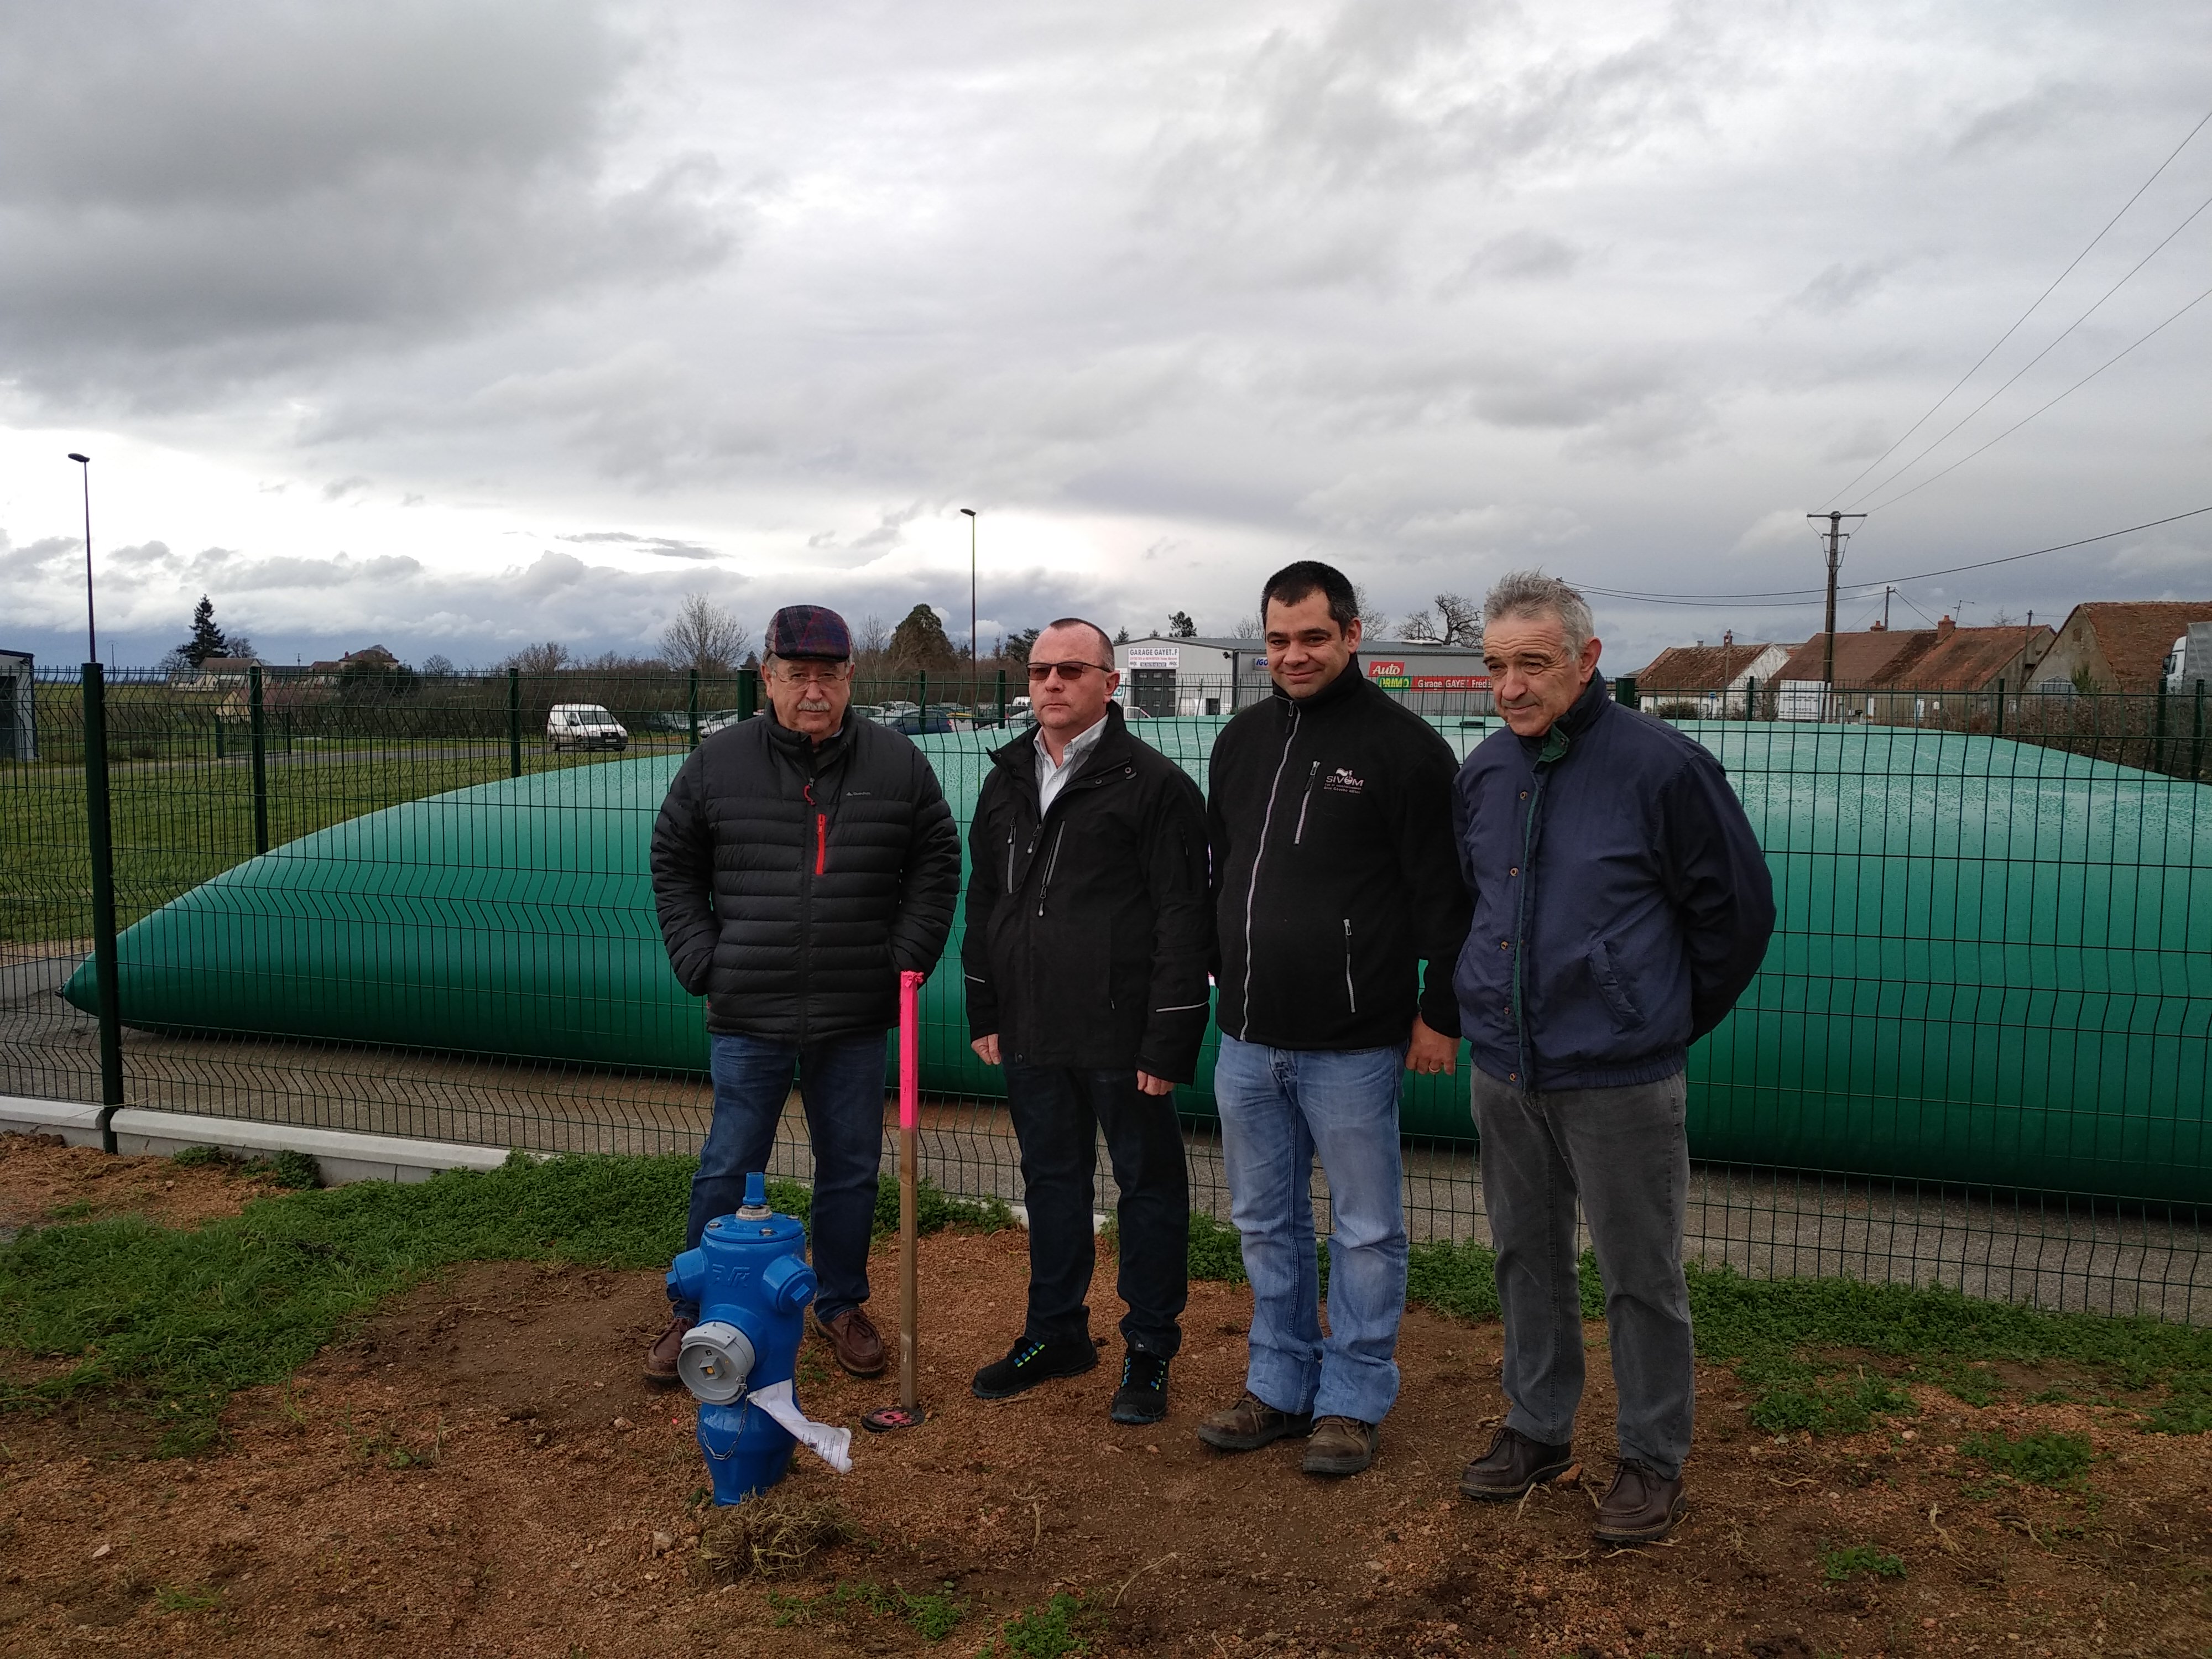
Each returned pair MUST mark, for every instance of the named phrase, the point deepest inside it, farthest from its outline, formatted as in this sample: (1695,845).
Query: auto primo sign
(1392,677)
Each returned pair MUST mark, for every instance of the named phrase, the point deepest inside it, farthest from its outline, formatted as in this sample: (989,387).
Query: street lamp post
(91,631)
(970,512)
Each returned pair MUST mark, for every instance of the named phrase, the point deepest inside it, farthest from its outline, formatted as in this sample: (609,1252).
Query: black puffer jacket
(1089,928)
(795,882)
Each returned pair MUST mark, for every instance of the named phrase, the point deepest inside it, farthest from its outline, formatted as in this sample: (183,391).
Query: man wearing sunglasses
(1088,931)
(800,862)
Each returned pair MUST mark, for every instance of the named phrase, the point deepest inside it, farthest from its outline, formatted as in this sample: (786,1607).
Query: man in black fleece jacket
(1334,879)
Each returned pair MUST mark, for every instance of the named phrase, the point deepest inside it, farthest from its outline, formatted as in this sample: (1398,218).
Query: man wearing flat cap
(801,862)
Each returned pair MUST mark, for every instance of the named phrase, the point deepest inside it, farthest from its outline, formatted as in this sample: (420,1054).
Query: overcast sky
(455,325)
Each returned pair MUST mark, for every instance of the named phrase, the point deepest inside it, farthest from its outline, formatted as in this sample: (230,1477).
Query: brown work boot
(1512,1464)
(1250,1424)
(852,1337)
(661,1358)
(1341,1445)
(1640,1506)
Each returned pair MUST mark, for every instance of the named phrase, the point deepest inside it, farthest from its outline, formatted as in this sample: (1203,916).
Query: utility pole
(1885,592)
(1836,539)
(970,512)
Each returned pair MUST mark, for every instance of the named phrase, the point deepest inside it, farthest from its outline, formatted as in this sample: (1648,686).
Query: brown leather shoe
(853,1338)
(1639,1507)
(1341,1445)
(661,1358)
(1250,1424)
(1512,1464)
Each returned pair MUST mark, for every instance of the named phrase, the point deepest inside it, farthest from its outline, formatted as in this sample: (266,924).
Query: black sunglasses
(1070,671)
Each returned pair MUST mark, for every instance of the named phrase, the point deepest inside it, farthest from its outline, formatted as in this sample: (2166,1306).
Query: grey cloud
(2050,109)
(660,546)
(1841,286)
(225,190)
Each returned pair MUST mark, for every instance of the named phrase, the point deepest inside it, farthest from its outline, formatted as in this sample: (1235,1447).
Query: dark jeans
(1057,1115)
(840,1083)
(1625,1152)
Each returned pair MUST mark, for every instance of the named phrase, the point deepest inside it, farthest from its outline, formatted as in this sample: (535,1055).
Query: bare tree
(1462,619)
(705,636)
(1373,621)
(1248,627)
(1420,628)
(874,637)
(548,657)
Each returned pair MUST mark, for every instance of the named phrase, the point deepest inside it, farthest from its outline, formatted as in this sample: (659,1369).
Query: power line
(2030,312)
(2032,413)
(1876,584)
(2056,340)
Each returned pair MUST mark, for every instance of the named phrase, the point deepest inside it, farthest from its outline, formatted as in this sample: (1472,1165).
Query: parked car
(583,726)
(937,717)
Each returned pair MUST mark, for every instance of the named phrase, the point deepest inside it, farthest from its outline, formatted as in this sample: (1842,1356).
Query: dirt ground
(479,1470)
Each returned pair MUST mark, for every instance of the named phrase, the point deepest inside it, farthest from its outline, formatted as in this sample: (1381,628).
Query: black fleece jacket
(794,882)
(1089,926)
(1334,874)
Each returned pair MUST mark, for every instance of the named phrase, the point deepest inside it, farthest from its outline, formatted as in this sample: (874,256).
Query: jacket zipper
(821,840)
(1351,995)
(1051,864)
(1312,772)
(1252,892)
(1555,749)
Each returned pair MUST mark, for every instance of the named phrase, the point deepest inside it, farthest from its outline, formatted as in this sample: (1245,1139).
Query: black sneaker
(1029,1362)
(1143,1395)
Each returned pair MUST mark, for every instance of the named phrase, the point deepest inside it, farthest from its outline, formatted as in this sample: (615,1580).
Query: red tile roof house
(2116,645)
(1904,677)
(1707,682)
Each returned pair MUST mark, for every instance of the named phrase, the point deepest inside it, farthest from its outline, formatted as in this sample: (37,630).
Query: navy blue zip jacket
(1621,902)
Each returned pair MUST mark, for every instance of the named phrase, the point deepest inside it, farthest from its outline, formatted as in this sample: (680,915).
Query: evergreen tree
(207,640)
(1181,627)
(919,642)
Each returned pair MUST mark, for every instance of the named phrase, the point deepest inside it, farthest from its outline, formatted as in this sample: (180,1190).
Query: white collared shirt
(1051,779)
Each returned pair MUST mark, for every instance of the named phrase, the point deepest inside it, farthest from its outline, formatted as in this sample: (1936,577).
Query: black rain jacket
(1089,926)
(1334,875)
(795,883)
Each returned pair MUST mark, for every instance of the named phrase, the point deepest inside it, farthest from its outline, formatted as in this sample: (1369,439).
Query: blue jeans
(1279,1108)
(840,1083)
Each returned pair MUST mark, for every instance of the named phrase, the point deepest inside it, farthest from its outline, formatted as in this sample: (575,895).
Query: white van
(583,726)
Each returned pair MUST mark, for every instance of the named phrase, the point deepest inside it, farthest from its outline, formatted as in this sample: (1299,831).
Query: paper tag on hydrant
(833,1446)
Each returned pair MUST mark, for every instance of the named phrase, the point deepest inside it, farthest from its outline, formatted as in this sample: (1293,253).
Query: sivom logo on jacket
(1344,782)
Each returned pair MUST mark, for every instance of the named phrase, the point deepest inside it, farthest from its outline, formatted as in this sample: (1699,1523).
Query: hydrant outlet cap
(714,1361)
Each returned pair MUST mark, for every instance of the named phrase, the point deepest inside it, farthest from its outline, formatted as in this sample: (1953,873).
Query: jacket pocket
(1613,985)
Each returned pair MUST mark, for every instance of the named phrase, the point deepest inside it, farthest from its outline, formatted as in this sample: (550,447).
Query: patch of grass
(184,1598)
(1848,1406)
(75,1211)
(1975,1385)
(1838,1564)
(295,1169)
(1457,1279)
(198,1158)
(2187,1408)
(934,1616)
(179,1319)
(1215,1250)
(1045,1632)
(2042,1458)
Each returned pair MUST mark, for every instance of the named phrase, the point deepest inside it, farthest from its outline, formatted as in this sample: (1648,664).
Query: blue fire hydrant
(751,1283)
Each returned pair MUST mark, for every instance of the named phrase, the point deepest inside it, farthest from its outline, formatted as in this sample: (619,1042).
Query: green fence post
(105,972)
(218,731)
(921,702)
(2000,720)
(747,693)
(694,709)
(1624,690)
(2158,729)
(1750,699)
(260,736)
(514,722)
(1002,696)
(2196,737)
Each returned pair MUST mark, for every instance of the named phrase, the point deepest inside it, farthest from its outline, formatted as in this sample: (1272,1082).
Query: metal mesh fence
(1978,1055)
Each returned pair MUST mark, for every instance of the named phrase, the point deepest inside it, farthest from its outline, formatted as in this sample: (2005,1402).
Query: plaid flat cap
(809,630)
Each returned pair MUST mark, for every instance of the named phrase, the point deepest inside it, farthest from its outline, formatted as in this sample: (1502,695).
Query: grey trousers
(1625,1153)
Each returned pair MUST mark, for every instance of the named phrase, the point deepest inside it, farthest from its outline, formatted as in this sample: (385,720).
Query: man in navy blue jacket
(1622,906)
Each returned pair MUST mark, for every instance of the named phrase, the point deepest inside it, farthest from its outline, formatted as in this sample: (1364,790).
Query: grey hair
(1533,594)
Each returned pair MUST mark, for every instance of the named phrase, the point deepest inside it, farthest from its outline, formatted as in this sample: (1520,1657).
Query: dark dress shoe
(661,1358)
(1640,1507)
(1029,1362)
(1512,1464)
(853,1339)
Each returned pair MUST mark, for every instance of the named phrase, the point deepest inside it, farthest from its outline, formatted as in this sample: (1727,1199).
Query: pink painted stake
(910,1120)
